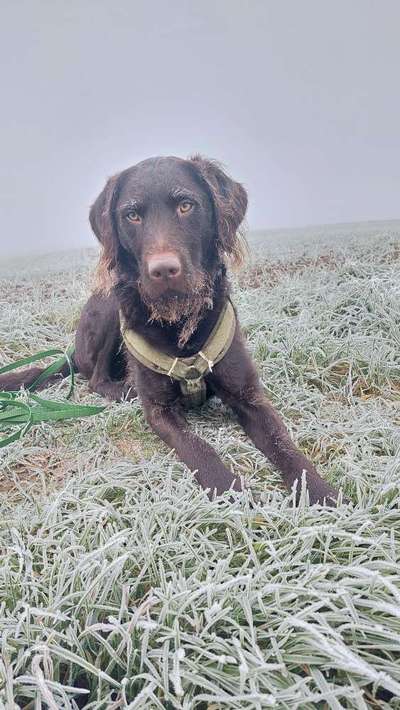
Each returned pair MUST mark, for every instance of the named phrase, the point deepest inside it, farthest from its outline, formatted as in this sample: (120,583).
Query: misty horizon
(289,237)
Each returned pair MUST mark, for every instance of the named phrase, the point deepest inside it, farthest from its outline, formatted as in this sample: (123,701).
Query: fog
(299,100)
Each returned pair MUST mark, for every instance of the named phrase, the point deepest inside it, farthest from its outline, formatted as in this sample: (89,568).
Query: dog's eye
(133,216)
(185,206)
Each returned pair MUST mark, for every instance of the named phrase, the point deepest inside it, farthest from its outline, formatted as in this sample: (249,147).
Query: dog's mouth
(183,309)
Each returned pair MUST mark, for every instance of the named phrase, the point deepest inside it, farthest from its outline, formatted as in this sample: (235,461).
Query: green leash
(33,409)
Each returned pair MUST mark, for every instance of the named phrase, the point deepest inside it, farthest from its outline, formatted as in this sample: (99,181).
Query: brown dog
(167,226)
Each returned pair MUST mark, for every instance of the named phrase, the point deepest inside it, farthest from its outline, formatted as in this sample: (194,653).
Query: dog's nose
(164,267)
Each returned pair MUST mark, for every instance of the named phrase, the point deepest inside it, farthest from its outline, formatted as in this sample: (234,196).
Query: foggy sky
(298,98)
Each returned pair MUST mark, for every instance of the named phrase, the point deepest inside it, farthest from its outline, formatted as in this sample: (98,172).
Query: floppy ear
(230,204)
(102,223)
(100,216)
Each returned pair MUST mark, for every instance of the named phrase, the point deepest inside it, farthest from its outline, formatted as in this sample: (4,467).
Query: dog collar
(188,371)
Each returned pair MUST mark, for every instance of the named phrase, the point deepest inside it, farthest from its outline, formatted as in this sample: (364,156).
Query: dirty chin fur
(185,309)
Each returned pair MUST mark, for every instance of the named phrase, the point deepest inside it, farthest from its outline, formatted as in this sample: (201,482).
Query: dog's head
(169,223)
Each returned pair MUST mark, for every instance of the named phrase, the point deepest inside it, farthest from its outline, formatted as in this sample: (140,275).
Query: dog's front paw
(319,492)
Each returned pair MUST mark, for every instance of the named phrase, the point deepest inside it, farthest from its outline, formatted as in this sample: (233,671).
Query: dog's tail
(33,378)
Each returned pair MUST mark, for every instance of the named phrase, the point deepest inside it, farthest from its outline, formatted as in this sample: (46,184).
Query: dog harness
(190,371)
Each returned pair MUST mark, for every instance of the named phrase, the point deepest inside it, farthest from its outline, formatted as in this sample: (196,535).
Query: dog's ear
(102,223)
(230,204)
(101,217)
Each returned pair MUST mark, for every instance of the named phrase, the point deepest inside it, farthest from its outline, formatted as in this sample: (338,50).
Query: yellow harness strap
(188,371)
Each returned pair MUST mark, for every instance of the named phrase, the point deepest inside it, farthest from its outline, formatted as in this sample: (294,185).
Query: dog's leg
(97,345)
(236,381)
(171,426)
(268,432)
(100,381)
(160,398)
(12,381)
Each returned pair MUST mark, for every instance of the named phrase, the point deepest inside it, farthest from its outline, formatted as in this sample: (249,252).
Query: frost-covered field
(121,585)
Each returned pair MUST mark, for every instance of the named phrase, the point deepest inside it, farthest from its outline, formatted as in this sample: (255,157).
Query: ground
(122,585)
